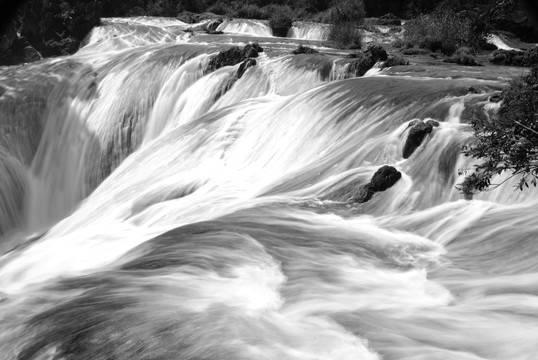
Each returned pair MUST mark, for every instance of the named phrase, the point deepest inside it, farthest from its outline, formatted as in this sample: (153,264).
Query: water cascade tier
(154,206)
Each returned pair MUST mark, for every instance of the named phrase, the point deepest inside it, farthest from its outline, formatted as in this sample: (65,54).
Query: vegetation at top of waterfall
(455,24)
(509,141)
(346,16)
(54,28)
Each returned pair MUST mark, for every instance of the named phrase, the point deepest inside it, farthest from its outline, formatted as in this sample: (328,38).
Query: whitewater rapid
(152,209)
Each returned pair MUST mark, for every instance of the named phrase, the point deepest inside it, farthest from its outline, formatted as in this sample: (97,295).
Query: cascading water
(309,31)
(259,28)
(151,209)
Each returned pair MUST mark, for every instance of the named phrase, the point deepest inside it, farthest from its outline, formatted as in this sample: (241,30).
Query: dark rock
(245,65)
(378,52)
(384,177)
(413,123)
(304,50)
(415,137)
(433,123)
(234,56)
(251,51)
(395,60)
(365,60)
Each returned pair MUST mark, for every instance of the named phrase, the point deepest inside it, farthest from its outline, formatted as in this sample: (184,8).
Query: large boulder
(384,178)
(365,60)
(234,56)
(416,135)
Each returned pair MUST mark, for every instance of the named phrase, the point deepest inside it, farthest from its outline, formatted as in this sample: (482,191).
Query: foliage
(463,56)
(346,17)
(281,20)
(508,142)
(515,58)
(444,30)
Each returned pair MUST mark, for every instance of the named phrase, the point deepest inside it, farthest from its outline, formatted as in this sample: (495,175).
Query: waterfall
(309,31)
(259,28)
(152,207)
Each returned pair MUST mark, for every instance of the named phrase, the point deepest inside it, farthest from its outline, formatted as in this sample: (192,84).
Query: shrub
(218,8)
(415,51)
(250,12)
(515,58)
(508,142)
(346,17)
(444,30)
(463,56)
(345,36)
(281,19)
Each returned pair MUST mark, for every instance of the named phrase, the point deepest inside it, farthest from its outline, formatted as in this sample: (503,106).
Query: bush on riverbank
(443,30)
(508,142)
(346,17)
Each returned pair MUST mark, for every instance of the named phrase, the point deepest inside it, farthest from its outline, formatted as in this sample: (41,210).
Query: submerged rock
(304,50)
(416,135)
(384,178)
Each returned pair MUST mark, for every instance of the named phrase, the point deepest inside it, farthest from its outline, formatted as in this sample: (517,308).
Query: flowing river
(152,209)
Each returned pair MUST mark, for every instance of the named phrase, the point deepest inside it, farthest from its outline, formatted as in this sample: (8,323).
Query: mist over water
(150,209)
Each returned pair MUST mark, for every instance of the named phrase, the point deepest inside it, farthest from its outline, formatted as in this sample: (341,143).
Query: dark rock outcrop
(385,177)
(365,60)
(234,56)
(395,60)
(304,50)
(416,135)
(433,123)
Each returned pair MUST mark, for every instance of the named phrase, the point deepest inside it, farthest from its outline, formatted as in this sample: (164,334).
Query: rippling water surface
(152,210)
